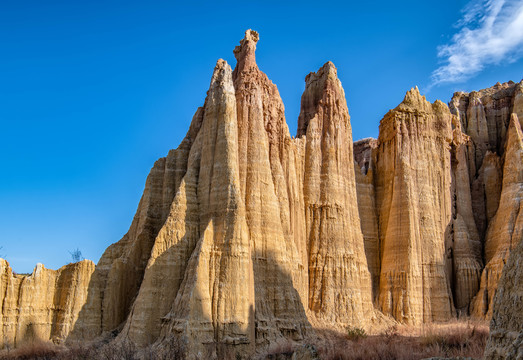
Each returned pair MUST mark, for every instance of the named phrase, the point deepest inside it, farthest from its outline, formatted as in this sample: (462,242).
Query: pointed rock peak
(221,64)
(413,99)
(222,76)
(327,71)
(245,52)
(38,268)
(440,107)
(319,86)
(474,98)
(413,95)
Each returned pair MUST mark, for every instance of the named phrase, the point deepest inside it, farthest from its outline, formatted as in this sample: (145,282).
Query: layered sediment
(506,328)
(414,210)
(44,304)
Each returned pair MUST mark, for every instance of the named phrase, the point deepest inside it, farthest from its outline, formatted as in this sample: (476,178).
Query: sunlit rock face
(246,236)
(262,237)
(491,118)
(413,202)
(44,304)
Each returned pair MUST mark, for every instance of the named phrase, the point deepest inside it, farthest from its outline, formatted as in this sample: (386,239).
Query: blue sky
(92,94)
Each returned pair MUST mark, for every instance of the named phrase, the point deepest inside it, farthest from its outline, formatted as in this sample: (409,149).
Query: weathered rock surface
(338,272)
(506,328)
(246,236)
(364,169)
(464,252)
(43,305)
(203,244)
(414,210)
(505,230)
(484,116)
(119,273)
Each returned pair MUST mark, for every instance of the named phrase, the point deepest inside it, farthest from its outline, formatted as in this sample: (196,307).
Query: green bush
(355,333)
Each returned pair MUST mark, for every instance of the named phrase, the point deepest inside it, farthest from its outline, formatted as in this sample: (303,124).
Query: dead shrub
(41,350)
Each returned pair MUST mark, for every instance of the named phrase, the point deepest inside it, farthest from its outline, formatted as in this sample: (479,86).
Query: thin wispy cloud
(490,32)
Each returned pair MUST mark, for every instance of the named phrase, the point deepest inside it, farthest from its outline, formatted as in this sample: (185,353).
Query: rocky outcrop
(484,116)
(204,243)
(270,187)
(338,272)
(251,244)
(43,305)
(505,230)
(414,210)
(506,328)
(246,236)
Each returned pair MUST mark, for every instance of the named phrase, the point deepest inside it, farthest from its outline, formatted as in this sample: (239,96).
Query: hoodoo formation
(245,235)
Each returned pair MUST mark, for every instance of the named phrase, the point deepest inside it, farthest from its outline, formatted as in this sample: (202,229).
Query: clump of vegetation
(355,333)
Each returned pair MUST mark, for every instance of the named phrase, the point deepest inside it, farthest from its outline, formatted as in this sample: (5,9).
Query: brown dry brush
(445,341)
(451,340)
(123,350)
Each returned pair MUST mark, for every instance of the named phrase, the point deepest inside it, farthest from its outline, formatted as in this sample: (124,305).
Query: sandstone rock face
(364,169)
(119,272)
(246,236)
(204,241)
(505,230)
(270,188)
(465,249)
(506,328)
(414,210)
(43,305)
(484,116)
(263,235)
(338,272)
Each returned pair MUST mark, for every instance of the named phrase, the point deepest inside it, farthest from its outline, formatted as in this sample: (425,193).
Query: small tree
(76,255)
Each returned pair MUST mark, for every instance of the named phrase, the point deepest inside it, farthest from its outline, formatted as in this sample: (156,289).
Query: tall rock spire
(246,236)
(414,208)
(267,177)
(339,280)
(245,52)
(202,254)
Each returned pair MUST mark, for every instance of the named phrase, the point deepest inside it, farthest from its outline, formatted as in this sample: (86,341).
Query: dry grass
(278,351)
(454,339)
(33,350)
(100,350)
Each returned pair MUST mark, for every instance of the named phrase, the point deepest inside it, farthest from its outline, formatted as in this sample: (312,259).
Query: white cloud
(490,32)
